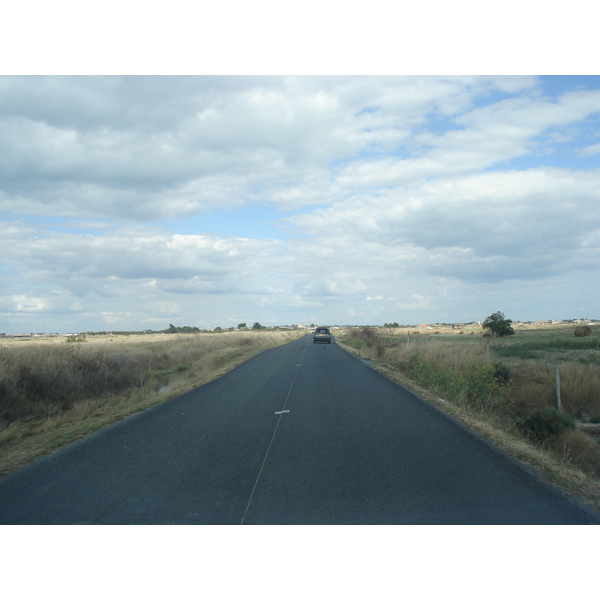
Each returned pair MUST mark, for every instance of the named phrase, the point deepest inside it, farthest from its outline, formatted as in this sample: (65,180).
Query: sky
(134,202)
(338,170)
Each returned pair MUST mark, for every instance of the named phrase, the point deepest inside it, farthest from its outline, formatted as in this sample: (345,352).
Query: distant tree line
(184,329)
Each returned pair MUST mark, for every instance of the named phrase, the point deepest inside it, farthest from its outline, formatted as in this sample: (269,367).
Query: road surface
(300,434)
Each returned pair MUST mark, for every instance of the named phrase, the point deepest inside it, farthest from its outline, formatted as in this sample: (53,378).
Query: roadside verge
(572,481)
(22,442)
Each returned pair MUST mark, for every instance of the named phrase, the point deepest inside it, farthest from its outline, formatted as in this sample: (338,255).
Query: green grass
(540,347)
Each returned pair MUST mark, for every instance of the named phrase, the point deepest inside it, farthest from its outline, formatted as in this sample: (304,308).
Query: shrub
(379,351)
(479,383)
(369,336)
(546,423)
(365,336)
(501,374)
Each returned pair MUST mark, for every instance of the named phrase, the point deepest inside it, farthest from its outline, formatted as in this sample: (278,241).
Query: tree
(498,325)
(258,326)
(241,325)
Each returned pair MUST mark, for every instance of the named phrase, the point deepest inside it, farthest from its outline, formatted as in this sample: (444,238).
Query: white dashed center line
(280,413)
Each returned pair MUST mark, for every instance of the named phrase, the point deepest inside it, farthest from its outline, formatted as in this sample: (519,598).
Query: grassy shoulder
(25,439)
(556,470)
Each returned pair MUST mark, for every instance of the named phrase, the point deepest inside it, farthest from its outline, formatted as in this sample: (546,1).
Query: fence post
(557,388)
(407,338)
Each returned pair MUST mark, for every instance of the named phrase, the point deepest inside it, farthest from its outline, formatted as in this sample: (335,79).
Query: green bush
(501,374)
(546,423)
(479,383)
(475,383)
(364,337)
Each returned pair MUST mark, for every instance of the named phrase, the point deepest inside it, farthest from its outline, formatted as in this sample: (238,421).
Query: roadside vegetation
(504,387)
(54,391)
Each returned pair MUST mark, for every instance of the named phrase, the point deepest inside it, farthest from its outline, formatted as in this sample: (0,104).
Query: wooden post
(557,388)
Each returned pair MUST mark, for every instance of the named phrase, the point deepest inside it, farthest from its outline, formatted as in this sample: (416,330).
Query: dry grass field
(53,392)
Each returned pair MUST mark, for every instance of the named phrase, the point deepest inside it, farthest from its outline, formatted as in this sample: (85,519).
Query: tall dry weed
(534,387)
(37,380)
(531,383)
(580,389)
(580,449)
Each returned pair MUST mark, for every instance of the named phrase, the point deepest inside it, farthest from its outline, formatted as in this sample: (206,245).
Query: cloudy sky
(133,202)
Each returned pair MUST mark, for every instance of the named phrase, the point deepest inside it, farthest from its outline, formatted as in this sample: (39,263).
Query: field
(53,391)
(505,388)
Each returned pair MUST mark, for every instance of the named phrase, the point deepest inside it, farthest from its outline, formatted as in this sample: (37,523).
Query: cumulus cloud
(473,225)
(144,148)
(590,150)
(396,196)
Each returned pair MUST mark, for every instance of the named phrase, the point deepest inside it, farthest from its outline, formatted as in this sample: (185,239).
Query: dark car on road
(322,334)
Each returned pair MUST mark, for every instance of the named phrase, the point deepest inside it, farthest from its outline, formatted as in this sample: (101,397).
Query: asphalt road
(300,434)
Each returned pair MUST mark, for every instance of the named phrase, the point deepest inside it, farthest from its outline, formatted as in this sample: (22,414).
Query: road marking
(280,413)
